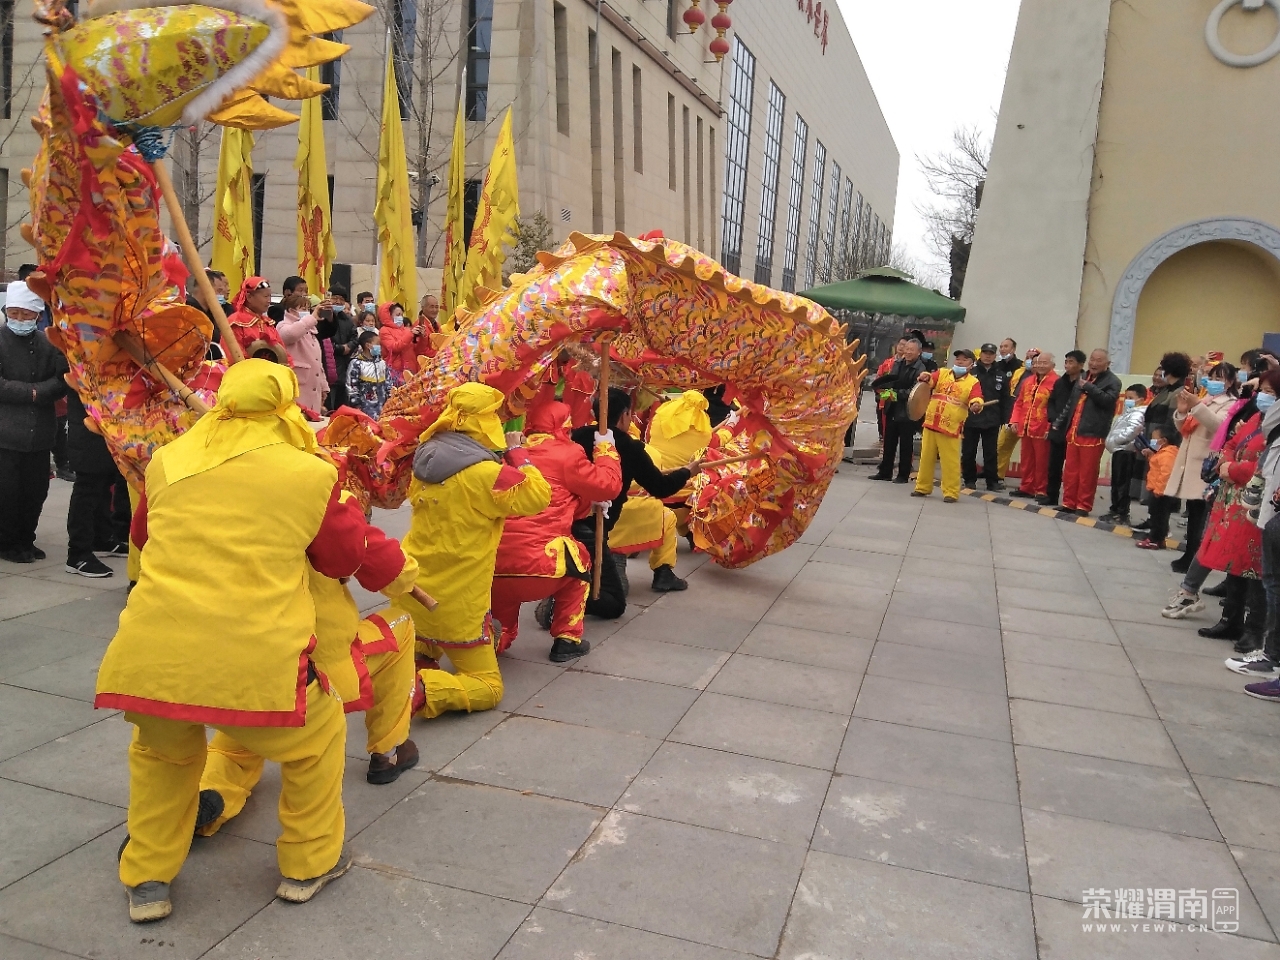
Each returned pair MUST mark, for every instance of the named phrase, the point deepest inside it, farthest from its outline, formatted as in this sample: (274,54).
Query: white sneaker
(1182,605)
(1240,664)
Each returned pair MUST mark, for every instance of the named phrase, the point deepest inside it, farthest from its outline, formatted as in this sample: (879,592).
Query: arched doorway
(1211,285)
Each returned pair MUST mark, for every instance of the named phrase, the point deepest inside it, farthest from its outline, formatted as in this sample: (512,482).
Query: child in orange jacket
(1159,466)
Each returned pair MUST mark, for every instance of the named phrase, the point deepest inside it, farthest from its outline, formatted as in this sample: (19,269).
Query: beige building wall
(1025,268)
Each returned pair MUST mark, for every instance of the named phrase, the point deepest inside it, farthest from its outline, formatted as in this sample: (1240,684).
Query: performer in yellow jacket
(221,628)
(368,663)
(463,490)
(956,392)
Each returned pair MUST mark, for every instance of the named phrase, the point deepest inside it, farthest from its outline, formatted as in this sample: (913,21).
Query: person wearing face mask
(340,329)
(1122,443)
(298,331)
(1059,398)
(1085,424)
(397,339)
(956,394)
(1198,418)
(1164,450)
(368,379)
(1029,424)
(926,355)
(900,429)
(31,372)
(983,428)
(1014,369)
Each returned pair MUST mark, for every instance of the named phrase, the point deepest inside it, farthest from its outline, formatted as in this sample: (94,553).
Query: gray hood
(449,453)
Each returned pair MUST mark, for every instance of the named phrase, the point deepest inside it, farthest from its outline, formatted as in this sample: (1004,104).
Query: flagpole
(377,239)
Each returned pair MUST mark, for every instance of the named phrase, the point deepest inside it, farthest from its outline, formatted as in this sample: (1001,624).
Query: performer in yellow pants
(646,524)
(477,685)
(166,758)
(1005,446)
(956,392)
(936,446)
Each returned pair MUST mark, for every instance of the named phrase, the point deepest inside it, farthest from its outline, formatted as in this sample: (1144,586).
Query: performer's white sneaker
(300,891)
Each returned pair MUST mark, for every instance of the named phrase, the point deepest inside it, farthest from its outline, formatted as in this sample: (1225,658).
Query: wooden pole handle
(706,464)
(230,344)
(136,349)
(423,597)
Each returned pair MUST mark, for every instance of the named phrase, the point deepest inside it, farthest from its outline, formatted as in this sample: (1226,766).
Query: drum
(918,401)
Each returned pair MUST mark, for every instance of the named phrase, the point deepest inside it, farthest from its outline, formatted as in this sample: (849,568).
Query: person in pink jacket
(298,331)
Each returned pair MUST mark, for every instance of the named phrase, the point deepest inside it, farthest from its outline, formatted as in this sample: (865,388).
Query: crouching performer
(464,488)
(239,656)
(538,557)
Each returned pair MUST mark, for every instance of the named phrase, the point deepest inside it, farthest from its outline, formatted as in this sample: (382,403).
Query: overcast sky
(934,64)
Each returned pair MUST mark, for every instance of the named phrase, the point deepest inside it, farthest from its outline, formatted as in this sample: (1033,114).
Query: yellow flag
(455,243)
(392,214)
(316,250)
(495,224)
(233,208)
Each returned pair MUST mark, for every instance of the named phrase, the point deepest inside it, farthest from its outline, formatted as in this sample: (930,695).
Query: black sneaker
(1022,494)
(666,581)
(542,612)
(880,476)
(619,564)
(562,650)
(18,556)
(37,553)
(996,487)
(112,550)
(93,568)
(210,808)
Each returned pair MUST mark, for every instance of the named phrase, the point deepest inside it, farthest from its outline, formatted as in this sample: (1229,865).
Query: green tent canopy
(888,291)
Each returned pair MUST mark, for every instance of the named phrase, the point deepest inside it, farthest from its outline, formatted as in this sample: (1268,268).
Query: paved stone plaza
(925,731)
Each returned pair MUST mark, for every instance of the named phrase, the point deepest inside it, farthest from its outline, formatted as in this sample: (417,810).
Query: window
(867,245)
(619,147)
(815,214)
(637,119)
(711,182)
(671,141)
(560,18)
(479,43)
(791,249)
(688,228)
(736,148)
(258,195)
(597,136)
(6,59)
(702,237)
(843,267)
(769,183)
(404,34)
(673,19)
(470,207)
(331,73)
(855,237)
(829,241)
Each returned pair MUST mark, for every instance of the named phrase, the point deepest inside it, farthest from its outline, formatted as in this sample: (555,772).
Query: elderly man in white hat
(31,372)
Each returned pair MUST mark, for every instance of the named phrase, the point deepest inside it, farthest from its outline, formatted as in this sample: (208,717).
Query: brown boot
(383,771)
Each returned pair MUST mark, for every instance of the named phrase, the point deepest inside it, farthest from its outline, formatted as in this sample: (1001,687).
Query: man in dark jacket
(984,427)
(899,428)
(1059,398)
(98,515)
(31,372)
(337,325)
(637,466)
(1086,421)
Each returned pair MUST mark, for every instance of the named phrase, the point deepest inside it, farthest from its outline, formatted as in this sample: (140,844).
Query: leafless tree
(534,233)
(956,177)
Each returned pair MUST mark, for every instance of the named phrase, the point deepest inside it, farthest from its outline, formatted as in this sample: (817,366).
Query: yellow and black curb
(1030,506)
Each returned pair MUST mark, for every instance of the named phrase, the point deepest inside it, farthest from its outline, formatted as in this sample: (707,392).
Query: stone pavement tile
(1068,856)
(1206,707)
(1132,794)
(76,904)
(823,618)
(978,612)
(879,576)
(961,638)
(499,842)
(1261,868)
(1137,576)
(677,626)
(1174,636)
(1145,608)
(1167,666)
(1092,733)
(369,913)
(29,718)
(554,760)
(552,935)
(1028,580)
(12,949)
(96,616)
(945,668)
(1066,567)
(55,571)
(74,678)
(1079,688)
(855,599)
(90,763)
(703,601)
(1061,935)
(1232,754)
(947,709)
(1051,601)
(891,545)
(1156,590)
(914,756)
(857,559)
(25,646)
(925,571)
(923,829)
(611,703)
(727,791)
(521,679)
(683,881)
(770,731)
(1061,652)
(1246,812)
(948,591)
(639,659)
(438,740)
(20,595)
(828,650)
(39,826)
(777,681)
(856,908)
(1017,545)
(980,556)
(1044,624)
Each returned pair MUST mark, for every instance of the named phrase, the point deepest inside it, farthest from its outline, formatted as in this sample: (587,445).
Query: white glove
(601,505)
(606,437)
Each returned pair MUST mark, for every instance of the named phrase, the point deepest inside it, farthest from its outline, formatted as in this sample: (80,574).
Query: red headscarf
(553,418)
(250,284)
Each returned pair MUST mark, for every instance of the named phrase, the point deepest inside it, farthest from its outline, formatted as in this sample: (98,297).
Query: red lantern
(721,22)
(693,17)
(719,47)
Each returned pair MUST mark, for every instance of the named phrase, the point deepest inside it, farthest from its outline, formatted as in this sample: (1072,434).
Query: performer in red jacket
(538,556)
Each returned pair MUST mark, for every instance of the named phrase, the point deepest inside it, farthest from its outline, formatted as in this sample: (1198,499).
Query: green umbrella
(888,291)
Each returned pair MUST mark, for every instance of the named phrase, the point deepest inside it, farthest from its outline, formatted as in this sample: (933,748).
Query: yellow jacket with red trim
(949,407)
